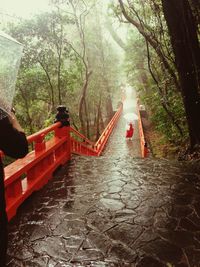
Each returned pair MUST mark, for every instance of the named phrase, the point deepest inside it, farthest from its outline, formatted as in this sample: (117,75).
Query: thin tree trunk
(163,103)
(27,111)
(87,120)
(98,130)
(101,120)
(114,35)
(109,106)
(81,103)
(142,77)
(58,79)
(50,84)
(79,21)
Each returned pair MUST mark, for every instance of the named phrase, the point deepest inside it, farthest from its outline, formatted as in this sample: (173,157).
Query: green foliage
(161,119)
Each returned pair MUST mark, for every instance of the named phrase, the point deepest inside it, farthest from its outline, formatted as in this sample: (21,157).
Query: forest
(82,53)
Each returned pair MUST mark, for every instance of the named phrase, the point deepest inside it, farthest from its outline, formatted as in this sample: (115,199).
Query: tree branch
(152,42)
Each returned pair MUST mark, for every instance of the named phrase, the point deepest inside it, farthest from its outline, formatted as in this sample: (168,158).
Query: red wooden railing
(86,147)
(29,174)
(100,144)
(81,145)
(24,176)
(143,143)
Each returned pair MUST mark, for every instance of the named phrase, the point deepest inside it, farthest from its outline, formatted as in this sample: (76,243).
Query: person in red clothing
(130,131)
(13,143)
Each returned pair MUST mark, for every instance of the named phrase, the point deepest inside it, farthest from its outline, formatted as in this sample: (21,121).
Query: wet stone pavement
(116,210)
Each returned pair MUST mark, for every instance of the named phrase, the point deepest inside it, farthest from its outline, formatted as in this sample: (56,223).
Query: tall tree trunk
(82,101)
(80,24)
(98,130)
(59,79)
(27,105)
(87,119)
(142,77)
(183,33)
(114,35)
(109,106)
(102,126)
(50,84)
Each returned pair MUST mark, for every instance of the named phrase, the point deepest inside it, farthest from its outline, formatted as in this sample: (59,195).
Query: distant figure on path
(130,131)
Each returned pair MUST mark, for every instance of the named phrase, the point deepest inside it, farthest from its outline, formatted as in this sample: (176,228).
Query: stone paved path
(113,211)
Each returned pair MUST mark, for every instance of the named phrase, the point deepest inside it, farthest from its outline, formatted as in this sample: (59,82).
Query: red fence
(29,174)
(24,176)
(100,144)
(143,144)
(85,146)
(81,145)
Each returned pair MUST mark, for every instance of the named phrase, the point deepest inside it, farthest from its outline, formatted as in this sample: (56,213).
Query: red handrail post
(40,143)
(144,147)
(146,151)
(64,132)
